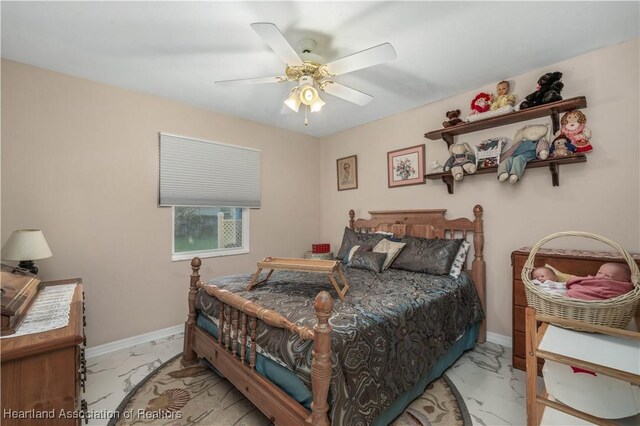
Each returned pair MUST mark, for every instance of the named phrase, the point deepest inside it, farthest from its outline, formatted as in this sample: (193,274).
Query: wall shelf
(552,109)
(554,168)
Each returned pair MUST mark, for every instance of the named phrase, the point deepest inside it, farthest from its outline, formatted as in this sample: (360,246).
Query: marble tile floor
(493,391)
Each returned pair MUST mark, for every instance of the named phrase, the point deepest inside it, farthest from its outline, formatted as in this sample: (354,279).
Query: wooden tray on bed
(329,267)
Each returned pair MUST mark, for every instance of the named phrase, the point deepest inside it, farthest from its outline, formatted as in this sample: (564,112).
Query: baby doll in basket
(611,280)
(548,281)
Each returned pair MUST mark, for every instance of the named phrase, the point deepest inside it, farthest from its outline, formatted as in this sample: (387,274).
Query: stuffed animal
(481,103)
(529,143)
(573,127)
(453,118)
(504,98)
(561,147)
(548,90)
(461,160)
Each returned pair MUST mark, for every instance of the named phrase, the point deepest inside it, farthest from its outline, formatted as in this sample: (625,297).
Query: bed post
(188,355)
(321,363)
(478,266)
(352,215)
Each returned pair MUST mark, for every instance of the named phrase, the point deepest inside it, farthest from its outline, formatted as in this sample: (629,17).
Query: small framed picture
(347,172)
(406,166)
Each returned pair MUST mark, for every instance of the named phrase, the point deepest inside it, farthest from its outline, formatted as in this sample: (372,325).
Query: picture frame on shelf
(347,172)
(488,152)
(406,166)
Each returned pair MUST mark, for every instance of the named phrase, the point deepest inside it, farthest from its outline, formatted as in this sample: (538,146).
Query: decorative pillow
(562,276)
(368,260)
(390,248)
(458,262)
(355,249)
(351,238)
(433,256)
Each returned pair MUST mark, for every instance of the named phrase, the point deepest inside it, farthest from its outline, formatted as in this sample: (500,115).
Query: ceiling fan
(312,76)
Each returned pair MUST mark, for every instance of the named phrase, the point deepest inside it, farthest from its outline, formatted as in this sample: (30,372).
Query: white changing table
(605,351)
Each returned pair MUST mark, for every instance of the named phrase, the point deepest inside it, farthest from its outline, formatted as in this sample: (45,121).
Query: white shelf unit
(601,350)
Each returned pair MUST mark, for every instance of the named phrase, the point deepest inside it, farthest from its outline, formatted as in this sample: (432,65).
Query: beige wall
(600,196)
(80,161)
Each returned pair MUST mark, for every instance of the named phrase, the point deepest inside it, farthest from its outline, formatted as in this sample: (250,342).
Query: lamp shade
(308,94)
(26,244)
(317,105)
(293,101)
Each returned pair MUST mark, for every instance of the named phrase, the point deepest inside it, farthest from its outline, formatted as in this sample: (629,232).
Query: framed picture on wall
(347,169)
(406,166)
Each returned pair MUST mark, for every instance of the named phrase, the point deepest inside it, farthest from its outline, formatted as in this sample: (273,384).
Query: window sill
(205,254)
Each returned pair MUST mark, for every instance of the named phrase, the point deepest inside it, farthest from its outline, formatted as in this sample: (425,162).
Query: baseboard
(130,342)
(499,339)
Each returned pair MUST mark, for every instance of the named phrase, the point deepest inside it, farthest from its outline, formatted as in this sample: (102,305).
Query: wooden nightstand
(46,372)
(575,262)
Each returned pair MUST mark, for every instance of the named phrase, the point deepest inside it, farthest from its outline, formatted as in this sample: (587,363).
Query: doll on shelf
(573,128)
(503,98)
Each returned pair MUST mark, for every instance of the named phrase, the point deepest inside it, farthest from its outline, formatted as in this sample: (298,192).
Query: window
(209,231)
(195,176)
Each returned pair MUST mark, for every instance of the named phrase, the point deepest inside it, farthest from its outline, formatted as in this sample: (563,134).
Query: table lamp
(26,245)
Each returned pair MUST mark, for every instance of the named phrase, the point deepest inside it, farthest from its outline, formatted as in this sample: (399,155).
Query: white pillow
(458,262)
(391,248)
(351,252)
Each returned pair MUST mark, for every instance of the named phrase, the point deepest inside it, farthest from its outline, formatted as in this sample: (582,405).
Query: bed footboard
(234,351)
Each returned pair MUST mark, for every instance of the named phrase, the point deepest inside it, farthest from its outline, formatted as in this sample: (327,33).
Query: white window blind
(201,173)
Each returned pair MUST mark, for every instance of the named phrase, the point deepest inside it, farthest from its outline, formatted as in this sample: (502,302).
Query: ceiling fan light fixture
(317,105)
(308,95)
(293,101)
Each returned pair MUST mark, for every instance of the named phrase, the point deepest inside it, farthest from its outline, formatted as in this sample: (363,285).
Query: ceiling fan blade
(346,93)
(365,58)
(246,81)
(276,41)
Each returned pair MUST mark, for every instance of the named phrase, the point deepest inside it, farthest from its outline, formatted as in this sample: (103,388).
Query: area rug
(175,396)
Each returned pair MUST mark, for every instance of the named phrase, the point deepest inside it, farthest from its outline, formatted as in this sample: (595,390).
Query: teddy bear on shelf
(529,143)
(548,90)
(573,127)
(462,160)
(453,118)
(481,103)
(561,147)
(503,98)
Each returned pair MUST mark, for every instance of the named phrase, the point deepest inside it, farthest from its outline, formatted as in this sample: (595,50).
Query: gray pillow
(368,260)
(428,255)
(352,238)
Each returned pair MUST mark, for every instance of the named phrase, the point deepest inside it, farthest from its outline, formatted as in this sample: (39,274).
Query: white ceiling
(177,50)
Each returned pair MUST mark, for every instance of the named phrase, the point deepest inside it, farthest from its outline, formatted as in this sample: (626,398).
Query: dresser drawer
(519,297)
(519,344)
(518,319)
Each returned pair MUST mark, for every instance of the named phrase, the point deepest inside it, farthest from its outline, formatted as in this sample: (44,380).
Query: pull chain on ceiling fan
(312,76)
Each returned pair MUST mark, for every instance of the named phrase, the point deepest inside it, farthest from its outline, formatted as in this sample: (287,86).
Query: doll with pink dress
(573,128)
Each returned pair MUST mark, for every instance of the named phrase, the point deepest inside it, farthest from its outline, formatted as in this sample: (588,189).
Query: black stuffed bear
(453,118)
(549,88)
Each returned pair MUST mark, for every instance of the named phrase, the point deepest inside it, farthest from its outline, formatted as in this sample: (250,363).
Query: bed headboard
(433,224)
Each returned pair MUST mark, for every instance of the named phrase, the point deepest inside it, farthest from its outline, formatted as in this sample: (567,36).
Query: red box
(320,248)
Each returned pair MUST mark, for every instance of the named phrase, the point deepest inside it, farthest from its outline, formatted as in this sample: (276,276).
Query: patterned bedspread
(387,334)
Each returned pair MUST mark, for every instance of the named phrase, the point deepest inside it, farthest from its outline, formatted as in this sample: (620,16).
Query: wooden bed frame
(239,317)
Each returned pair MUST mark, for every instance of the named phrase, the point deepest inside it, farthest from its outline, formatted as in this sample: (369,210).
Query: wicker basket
(616,312)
